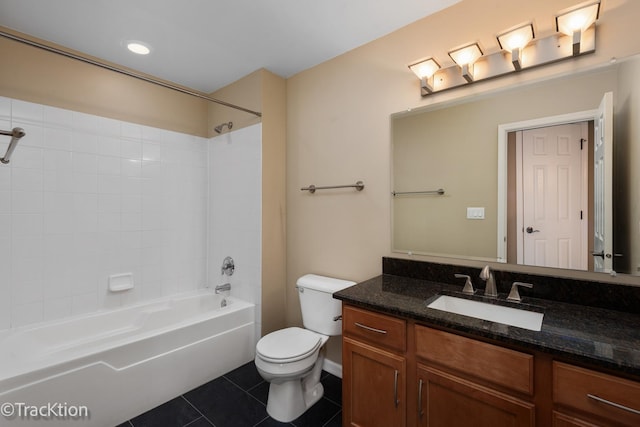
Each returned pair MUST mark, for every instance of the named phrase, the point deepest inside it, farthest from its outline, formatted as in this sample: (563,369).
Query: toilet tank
(319,308)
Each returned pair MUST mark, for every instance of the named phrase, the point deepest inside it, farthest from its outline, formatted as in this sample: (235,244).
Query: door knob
(531,230)
(600,254)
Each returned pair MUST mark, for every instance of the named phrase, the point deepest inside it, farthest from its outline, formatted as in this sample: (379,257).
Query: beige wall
(35,75)
(246,92)
(274,206)
(627,174)
(338,126)
(266,92)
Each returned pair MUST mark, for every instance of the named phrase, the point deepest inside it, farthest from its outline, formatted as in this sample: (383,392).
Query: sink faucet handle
(514,295)
(468,286)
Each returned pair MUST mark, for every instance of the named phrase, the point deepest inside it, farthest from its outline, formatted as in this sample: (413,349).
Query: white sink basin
(495,313)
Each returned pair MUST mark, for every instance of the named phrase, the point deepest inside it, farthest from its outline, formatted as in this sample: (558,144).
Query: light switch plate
(475,213)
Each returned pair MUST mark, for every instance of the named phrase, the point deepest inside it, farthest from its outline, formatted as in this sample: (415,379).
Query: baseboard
(332,367)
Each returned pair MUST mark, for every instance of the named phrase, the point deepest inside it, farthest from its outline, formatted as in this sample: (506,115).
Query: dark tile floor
(239,399)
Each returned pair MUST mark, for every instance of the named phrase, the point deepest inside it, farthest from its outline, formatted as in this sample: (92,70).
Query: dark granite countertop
(594,336)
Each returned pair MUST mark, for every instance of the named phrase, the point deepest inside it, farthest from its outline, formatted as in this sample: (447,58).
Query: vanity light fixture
(519,50)
(465,57)
(576,21)
(425,70)
(514,41)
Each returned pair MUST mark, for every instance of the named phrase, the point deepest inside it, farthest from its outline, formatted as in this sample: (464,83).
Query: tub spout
(222,288)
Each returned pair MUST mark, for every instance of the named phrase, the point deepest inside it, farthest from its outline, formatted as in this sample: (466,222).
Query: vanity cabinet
(464,382)
(586,398)
(374,369)
(397,372)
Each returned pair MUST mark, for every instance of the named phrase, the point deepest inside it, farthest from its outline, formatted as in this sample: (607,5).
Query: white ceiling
(207,44)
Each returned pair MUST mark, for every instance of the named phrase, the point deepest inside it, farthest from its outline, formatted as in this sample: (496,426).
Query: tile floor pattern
(239,399)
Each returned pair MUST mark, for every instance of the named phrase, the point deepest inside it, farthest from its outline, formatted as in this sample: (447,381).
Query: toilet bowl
(293,368)
(291,359)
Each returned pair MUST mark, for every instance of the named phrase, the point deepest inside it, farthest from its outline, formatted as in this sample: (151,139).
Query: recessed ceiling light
(138,47)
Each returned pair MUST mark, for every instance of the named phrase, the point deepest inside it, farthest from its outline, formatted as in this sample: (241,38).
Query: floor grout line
(237,385)
(247,391)
(257,385)
(198,411)
(335,415)
(261,421)
(333,401)
(193,421)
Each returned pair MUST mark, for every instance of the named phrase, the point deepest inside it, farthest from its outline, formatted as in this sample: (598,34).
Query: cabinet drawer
(596,393)
(375,328)
(563,420)
(453,401)
(507,368)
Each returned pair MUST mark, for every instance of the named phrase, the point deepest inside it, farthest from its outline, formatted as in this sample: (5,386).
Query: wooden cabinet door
(562,420)
(373,386)
(449,401)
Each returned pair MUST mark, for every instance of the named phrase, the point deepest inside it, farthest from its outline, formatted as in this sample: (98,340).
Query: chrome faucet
(222,288)
(487,275)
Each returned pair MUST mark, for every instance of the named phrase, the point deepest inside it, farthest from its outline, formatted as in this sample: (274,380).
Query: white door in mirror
(552,196)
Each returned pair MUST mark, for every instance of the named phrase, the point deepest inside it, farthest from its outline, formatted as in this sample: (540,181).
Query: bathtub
(104,368)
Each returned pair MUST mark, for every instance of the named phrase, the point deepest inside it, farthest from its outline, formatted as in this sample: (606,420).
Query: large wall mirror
(494,192)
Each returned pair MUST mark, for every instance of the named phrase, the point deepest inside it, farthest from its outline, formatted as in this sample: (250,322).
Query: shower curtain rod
(125,72)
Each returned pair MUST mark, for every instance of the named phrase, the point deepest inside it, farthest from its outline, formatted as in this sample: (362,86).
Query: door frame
(503,131)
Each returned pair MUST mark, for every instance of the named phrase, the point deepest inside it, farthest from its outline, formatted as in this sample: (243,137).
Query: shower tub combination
(104,368)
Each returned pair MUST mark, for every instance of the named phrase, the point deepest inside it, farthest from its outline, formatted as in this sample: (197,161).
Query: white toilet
(291,359)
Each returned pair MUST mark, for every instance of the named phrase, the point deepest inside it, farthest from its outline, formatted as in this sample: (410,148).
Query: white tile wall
(85,197)
(235,218)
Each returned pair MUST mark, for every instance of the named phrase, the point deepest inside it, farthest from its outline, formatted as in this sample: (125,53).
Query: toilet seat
(288,345)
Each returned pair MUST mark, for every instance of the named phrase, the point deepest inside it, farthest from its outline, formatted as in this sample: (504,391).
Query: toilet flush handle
(335,319)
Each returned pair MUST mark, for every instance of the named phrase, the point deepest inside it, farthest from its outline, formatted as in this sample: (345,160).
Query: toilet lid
(288,345)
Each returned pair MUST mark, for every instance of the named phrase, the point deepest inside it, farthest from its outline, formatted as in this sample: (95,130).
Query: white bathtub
(116,364)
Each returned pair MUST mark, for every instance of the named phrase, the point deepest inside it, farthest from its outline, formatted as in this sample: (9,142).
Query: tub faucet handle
(468,286)
(228,266)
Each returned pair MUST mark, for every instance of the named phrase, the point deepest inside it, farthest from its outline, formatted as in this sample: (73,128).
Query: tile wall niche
(85,197)
(235,212)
